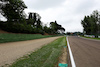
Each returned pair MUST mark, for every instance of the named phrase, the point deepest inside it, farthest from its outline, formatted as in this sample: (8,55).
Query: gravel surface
(10,52)
(63,57)
(86,52)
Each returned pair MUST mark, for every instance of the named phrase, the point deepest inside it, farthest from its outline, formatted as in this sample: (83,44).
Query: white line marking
(70,53)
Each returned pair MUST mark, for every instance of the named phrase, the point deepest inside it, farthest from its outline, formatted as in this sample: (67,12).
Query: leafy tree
(53,26)
(96,15)
(35,20)
(30,19)
(39,23)
(13,10)
(47,29)
(90,24)
(56,28)
(30,15)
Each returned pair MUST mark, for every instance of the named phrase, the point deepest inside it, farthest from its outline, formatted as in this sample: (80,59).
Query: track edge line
(70,53)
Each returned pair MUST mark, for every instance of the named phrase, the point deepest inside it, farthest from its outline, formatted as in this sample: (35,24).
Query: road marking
(70,53)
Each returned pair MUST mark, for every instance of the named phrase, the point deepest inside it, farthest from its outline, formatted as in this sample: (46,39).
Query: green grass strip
(21,37)
(91,38)
(47,56)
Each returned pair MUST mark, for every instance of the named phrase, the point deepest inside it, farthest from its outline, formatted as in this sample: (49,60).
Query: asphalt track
(86,52)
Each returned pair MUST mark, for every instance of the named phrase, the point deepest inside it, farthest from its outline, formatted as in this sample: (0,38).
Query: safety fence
(92,36)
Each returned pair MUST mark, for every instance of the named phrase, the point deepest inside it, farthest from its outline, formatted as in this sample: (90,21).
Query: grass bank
(91,38)
(21,37)
(47,56)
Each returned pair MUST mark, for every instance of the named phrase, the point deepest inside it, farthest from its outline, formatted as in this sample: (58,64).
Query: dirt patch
(63,57)
(1,31)
(9,52)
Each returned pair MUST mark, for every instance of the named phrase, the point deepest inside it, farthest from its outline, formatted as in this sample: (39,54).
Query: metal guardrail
(98,36)
(92,36)
(71,62)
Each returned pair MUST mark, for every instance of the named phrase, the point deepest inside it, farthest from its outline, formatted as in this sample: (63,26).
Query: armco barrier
(71,62)
(98,36)
(92,36)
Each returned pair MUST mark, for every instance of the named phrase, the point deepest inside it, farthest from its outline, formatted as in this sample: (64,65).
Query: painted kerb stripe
(70,53)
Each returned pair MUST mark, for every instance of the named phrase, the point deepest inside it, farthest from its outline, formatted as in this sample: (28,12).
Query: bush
(20,28)
(16,27)
(96,36)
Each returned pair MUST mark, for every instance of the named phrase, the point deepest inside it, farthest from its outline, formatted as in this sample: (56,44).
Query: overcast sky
(68,13)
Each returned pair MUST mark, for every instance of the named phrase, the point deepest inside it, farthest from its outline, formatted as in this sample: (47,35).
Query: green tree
(30,19)
(56,28)
(35,20)
(90,24)
(53,26)
(96,15)
(13,10)
(47,29)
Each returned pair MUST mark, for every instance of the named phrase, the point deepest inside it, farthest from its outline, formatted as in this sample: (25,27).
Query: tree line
(91,23)
(13,11)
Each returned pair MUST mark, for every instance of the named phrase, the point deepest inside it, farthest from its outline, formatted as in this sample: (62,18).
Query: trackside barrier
(98,36)
(92,36)
(71,62)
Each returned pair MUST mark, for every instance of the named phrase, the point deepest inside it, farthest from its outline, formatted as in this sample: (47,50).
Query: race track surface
(86,52)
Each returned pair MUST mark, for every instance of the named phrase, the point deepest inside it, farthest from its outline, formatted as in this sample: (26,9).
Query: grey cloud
(85,6)
(43,4)
(0,16)
(68,13)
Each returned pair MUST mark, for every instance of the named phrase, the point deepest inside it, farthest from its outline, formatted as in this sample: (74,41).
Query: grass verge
(47,56)
(91,38)
(21,37)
